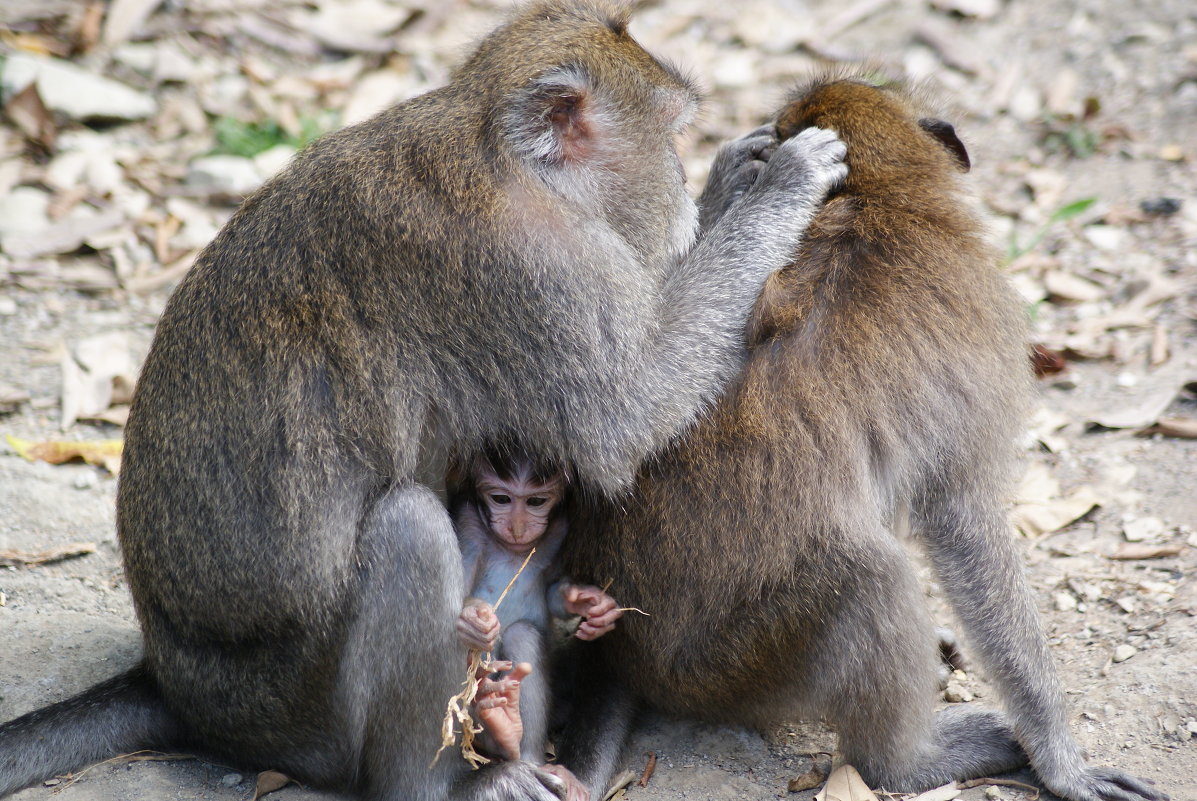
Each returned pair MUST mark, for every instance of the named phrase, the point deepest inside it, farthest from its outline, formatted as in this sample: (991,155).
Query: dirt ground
(1057,101)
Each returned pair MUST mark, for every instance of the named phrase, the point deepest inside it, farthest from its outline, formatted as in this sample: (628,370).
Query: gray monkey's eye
(502,500)
(537,501)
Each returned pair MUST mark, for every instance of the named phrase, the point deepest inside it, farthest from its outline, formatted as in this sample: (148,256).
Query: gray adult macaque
(513,256)
(887,380)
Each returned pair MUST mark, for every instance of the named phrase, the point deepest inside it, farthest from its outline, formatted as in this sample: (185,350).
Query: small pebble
(1172,153)
(1127,604)
(1127,379)
(1065,602)
(231,779)
(1124,652)
(1162,206)
(86,480)
(8,306)
(1142,528)
(992,792)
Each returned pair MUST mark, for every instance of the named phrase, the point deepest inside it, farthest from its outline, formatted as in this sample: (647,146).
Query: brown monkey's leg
(403,661)
(882,707)
(980,568)
(599,713)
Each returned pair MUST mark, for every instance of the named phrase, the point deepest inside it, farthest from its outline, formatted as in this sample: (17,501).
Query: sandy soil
(1014,74)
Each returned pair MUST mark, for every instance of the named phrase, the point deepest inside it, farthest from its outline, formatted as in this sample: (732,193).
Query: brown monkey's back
(893,311)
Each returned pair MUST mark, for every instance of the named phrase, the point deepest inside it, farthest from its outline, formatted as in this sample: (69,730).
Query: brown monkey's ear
(946,135)
(551,121)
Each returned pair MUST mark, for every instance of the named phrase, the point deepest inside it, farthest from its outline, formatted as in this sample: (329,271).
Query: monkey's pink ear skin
(552,120)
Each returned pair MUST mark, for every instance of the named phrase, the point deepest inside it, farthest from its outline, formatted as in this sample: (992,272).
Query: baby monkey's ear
(946,134)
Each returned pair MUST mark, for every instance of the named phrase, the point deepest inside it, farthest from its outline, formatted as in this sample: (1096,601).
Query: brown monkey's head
(885,133)
(579,106)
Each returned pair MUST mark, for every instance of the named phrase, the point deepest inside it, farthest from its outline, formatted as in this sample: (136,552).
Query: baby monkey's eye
(502,500)
(534,501)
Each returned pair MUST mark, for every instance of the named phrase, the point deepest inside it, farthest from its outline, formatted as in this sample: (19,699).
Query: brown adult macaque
(511,257)
(887,376)
(502,509)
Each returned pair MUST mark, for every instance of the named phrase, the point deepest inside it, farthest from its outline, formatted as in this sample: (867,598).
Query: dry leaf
(124,18)
(65,236)
(1046,361)
(98,373)
(649,767)
(1134,550)
(269,781)
(1038,518)
(1146,412)
(845,784)
(1067,286)
(104,453)
(945,793)
(30,115)
(11,399)
(57,554)
(1180,427)
(809,780)
(1159,346)
(116,415)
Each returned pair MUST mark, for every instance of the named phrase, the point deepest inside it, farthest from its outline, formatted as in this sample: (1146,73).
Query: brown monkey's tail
(118,716)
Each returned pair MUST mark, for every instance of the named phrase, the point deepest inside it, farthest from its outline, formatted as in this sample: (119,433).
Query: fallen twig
(965,785)
(121,759)
(56,554)
(648,769)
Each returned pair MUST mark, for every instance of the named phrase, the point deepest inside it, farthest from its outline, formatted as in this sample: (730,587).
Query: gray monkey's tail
(118,716)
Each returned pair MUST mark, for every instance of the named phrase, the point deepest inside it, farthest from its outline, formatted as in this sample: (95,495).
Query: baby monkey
(503,508)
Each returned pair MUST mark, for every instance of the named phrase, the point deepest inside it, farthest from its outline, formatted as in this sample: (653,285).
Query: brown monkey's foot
(574,789)
(1103,784)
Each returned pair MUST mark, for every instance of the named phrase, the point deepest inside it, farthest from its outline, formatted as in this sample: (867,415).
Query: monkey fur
(887,372)
(514,257)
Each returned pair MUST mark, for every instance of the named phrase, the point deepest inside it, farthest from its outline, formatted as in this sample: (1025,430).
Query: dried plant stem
(458,708)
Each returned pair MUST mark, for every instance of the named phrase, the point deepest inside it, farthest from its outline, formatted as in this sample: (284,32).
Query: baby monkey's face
(519,508)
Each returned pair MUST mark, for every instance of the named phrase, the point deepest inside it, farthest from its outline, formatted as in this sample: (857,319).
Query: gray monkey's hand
(478,625)
(804,168)
(735,168)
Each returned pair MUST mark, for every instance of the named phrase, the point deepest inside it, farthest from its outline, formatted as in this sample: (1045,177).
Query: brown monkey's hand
(599,610)
(735,168)
(574,789)
(478,625)
(498,708)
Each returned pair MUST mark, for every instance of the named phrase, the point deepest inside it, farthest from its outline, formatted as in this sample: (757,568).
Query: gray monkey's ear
(551,120)
(946,134)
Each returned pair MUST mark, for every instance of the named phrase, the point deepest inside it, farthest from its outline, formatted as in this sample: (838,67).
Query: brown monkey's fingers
(606,618)
(575,790)
(589,631)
